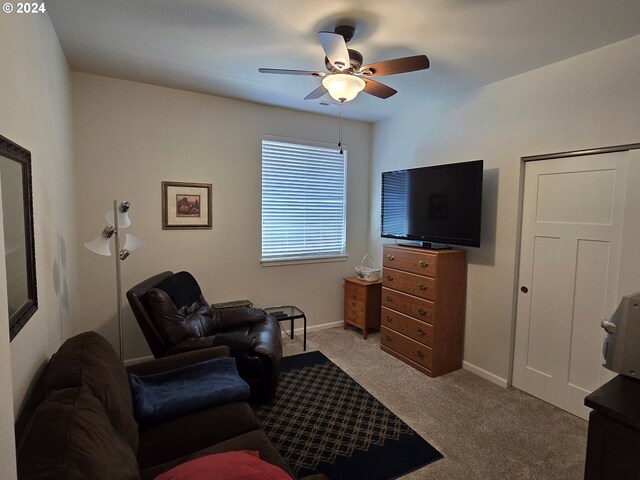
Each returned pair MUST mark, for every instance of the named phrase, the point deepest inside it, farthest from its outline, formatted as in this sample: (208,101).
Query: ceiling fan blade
(317,93)
(397,65)
(335,48)
(378,89)
(283,71)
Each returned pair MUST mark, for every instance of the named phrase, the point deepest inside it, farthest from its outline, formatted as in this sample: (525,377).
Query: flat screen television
(441,204)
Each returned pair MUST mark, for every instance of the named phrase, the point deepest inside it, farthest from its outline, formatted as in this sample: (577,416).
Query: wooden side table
(362,304)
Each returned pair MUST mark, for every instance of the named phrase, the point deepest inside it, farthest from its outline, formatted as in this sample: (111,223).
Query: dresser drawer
(354,292)
(408,304)
(411,349)
(410,327)
(418,285)
(416,262)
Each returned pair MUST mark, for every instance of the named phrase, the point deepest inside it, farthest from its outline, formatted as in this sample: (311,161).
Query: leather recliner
(175,317)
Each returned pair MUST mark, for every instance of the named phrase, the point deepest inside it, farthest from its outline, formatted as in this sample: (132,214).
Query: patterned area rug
(324,421)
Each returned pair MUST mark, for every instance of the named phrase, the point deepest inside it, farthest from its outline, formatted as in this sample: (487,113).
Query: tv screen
(440,204)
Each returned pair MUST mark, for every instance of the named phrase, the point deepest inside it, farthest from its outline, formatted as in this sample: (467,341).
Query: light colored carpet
(484,431)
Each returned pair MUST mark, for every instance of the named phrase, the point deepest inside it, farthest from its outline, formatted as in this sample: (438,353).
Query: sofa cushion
(70,437)
(253,440)
(174,393)
(88,359)
(175,438)
(239,465)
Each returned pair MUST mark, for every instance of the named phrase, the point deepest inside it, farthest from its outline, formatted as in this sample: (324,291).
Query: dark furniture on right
(613,445)
(175,317)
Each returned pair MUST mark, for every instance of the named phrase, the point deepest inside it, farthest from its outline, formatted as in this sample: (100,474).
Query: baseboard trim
(310,328)
(481,372)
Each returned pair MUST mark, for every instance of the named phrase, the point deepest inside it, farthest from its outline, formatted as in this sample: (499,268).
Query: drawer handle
(388,318)
(422,311)
(388,338)
(390,278)
(389,298)
(391,257)
(420,354)
(423,263)
(422,286)
(421,332)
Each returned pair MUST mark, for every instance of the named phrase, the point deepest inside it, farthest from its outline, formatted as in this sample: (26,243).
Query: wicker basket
(367,274)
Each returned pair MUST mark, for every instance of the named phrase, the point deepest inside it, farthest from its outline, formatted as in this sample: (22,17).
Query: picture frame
(187,206)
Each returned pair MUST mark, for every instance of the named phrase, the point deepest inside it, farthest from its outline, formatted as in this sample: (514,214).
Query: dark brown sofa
(79,422)
(185,322)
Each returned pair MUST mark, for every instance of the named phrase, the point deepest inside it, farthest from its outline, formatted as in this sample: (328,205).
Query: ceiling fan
(346,75)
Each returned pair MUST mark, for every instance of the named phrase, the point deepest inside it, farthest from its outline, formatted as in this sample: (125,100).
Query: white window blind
(303,201)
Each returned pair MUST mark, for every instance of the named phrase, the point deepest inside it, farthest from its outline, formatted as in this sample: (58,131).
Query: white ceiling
(217,46)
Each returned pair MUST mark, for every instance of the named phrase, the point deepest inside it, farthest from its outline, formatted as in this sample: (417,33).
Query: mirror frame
(13,151)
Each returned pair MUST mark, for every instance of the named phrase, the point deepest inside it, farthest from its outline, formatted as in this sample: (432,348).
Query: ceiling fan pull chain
(340,130)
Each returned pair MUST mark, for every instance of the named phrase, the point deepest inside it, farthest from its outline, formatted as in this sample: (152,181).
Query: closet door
(569,267)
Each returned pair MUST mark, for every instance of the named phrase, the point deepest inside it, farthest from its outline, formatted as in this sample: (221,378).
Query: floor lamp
(116,219)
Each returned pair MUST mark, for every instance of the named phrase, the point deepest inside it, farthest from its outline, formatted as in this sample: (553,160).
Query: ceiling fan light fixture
(343,87)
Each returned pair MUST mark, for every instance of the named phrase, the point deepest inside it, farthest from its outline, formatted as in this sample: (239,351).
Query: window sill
(302,261)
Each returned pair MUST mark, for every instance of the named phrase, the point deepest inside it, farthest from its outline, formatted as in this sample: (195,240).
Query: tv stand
(429,245)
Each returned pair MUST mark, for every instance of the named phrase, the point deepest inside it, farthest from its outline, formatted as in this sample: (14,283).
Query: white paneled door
(569,262)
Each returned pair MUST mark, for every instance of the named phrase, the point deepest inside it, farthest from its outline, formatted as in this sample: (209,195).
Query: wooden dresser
(361,304)
(423,304)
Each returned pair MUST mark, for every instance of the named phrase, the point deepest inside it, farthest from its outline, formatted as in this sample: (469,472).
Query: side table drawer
(354,292)
(408,304)
(415,329)
(418,285)
(354,312)
(413,350)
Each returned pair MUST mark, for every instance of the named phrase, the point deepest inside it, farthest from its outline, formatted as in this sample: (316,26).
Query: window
(303,201)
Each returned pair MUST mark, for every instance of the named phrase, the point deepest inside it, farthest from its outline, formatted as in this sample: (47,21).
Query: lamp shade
(132,243)
(343,87)
(123,219)
(100,245)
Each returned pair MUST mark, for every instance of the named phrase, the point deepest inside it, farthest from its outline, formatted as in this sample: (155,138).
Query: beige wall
(591,100)
(129,137)
(36,113)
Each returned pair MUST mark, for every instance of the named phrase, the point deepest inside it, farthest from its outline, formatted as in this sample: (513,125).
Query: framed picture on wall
(186,206)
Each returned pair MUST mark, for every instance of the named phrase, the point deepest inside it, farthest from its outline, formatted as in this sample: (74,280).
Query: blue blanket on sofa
(178,392)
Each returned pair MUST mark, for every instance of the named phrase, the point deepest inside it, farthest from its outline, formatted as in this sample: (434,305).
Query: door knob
(390,257)
(390,278)
(422,311)
(524,289)
(423,263)
(389,298)
(420,332)
(420,354)
(422,286)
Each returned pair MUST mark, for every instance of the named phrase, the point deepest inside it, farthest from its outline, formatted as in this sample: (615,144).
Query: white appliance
(621,347)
